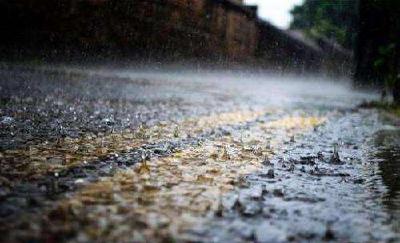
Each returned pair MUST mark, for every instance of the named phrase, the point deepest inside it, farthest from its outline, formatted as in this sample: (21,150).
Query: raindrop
(320,155)
(271,173)
(267,162)
(335,156)
(7,120)
(108,121)
(176,132)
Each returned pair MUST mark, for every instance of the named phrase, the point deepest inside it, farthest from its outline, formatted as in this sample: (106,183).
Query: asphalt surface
(144,155)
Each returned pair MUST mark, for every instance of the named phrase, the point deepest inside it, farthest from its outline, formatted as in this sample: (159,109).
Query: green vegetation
(371,28)
(385,64)
(335,20)
(378,49)
(385,106)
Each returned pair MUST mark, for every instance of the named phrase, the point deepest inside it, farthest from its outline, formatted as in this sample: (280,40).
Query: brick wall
(204,30)
(174,28)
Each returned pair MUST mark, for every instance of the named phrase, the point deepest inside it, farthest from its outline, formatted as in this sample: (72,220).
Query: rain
(199,121)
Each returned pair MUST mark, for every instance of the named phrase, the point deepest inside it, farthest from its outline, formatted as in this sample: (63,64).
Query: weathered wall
(277,49)
(288,50)
(219,31)
(158,28)
(241,36)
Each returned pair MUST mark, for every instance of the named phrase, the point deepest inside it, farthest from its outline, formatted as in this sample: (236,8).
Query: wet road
(127,155)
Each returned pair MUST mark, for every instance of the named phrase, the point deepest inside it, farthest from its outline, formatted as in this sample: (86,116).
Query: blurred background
(346,37)
(199,120)
(342,37)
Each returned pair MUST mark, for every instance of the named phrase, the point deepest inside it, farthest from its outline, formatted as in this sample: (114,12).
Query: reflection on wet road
(386,153)
(122,155)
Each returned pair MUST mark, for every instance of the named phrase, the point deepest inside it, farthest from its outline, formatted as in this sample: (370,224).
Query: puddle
(387,156)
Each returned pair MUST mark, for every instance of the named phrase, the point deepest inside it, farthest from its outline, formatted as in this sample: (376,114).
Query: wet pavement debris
(95,155)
